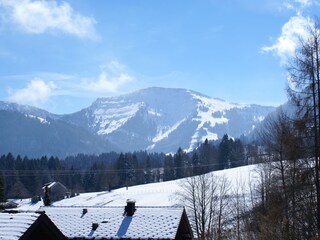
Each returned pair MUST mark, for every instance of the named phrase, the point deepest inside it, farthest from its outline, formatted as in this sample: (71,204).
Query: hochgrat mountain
(164,119)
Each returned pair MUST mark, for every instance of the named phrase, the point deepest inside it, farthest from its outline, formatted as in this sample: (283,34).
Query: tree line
(24,177)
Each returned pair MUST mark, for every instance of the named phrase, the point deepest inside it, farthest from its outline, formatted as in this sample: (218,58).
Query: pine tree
(168,168)
(195,164)
(179,164)
(148,171)
(224,152)
(237,156)
(2,194)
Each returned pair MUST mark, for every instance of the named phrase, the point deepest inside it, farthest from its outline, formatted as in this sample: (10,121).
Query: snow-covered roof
(49,185)
(147,222)
(14,225)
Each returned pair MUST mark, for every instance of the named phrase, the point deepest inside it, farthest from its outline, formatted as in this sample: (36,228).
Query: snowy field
(154,194)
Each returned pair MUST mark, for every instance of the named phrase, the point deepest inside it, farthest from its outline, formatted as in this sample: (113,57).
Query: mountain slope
(33,136)
(161,119)
(153,194)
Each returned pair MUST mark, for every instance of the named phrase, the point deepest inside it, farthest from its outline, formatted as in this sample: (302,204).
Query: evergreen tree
(224,152)
(196,170)
(169,172)
(179,164)
(121,169)
(208,157)
(237,156)
(148,176)
(2,193)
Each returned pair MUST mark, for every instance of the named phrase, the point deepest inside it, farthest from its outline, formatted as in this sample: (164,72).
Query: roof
(14,225)
(49,185)
(53,184)
(147,222)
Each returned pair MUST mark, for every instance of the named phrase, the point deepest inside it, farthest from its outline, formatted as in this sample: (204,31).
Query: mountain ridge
(169,115)
(155,119)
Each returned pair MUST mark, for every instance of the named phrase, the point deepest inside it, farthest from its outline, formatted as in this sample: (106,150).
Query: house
(16,225)
(9,205)
(129,222)
(56,190)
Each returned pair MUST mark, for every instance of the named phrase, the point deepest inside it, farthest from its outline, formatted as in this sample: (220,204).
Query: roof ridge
(175,206)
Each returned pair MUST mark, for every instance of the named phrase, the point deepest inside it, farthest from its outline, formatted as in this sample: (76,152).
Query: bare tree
(222,211)
(198,194)
(205,199)
(304,91)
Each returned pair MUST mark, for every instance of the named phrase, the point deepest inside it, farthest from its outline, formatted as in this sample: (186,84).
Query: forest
(22,177)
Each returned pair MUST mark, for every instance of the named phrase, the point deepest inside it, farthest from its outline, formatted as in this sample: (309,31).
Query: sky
(62,55)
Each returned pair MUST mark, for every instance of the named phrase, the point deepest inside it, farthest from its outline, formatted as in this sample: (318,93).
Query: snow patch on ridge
(258,118)
(206,109)
(41,120)
(165,132)
(161,135)
(113,118)
(155,113)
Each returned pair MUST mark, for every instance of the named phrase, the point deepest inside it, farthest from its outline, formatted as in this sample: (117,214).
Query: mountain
(27,110)
(33,136)
(152,119)
(163,119)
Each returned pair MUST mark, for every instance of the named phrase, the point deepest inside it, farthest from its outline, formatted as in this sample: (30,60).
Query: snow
(153,194)
(146,223)
(216,105)
(258,118)
(206,108)
(41,120)
(155,113)
(113,118)
(161,135)
(172,116)
(13,225)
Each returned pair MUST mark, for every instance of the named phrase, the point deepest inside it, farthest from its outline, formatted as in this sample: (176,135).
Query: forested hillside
(24,177)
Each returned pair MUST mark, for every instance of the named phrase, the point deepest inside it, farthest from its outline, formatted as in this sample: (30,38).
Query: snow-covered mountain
(27,110)
(163,119)
(153,119)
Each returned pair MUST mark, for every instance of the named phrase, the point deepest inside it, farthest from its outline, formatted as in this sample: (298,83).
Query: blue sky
(62,55)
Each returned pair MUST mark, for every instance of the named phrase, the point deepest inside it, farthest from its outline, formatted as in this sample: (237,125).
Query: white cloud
(292,32)
(110,79)
(35,93)
(42,16)
(43,86)
(298,5)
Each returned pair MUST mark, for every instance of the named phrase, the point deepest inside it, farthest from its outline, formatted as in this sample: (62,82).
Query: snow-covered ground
(154,194)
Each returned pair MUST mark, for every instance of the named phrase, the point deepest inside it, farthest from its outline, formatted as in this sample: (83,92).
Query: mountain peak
(155,119)
(163,119)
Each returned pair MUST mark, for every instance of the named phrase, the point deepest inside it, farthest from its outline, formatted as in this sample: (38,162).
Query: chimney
(94,226)
(130,208)
(84,211)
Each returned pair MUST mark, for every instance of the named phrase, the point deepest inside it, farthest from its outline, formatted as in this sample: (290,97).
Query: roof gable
(13,225)
(28,225)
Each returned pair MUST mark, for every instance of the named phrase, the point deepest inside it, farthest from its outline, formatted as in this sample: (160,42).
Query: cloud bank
(292,32)
(111,78)
(35,93)
(42,86)
(48,16)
